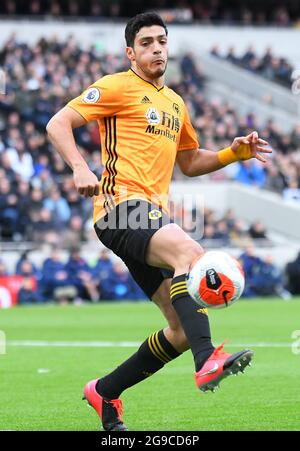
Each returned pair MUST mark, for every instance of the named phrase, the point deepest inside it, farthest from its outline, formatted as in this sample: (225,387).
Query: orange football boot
(220,365)
(109,410)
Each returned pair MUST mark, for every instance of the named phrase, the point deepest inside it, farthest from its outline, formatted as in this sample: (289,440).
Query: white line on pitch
(74,344)
(124,344)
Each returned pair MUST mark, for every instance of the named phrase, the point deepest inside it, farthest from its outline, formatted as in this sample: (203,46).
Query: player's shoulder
(174,96)
(112,80)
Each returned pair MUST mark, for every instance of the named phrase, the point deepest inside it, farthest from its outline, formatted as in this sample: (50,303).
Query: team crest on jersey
(153,116)
(155,214)
(92,95)
(176,108)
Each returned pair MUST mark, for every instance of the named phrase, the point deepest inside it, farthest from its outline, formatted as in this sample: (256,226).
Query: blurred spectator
(28,293)
(257,231)
(10,6)
(293,275)
(5,166)
(74,233)
(231,57)
(275,180)
(56,283)
(251,265)
(20,160)
(80,275)
(251,173)
(104,266)
(292,192)
(120,285)
(75,202)
(269,280)
(239,233)
(9,211)
(281,15)
(229,218)
(43,226)
(262,277)
(35,7)
(58,206)
(35,204)
(23,194)
(41,163)
(190,71)
(3,269)
(222,233)
(25,267)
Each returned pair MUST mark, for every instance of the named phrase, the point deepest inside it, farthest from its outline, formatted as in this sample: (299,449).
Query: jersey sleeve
(103,98)
(188,137)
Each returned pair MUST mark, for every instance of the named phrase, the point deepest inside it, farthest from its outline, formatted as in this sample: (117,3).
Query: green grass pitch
(41,386)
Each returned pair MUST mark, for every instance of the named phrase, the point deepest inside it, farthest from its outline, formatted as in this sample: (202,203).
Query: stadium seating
(269,66)
(249,12)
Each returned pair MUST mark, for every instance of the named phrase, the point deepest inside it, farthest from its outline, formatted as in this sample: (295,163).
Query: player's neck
(158,82)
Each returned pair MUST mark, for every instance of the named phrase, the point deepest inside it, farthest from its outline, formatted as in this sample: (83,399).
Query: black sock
(194,320)
(152,355)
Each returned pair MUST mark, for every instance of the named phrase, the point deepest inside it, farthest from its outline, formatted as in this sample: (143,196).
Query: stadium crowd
(269,66)
(37,195)
(217,123)
(248,12)
(73,279)
(106,279)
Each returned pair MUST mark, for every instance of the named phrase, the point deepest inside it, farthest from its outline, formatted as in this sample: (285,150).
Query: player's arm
(104,98)
(60,133)
(198,162)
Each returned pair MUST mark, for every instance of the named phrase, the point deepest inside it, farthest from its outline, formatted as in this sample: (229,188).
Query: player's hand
(86,183)
(250,146)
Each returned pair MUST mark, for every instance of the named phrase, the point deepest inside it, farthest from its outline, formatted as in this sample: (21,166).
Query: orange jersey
(142,128)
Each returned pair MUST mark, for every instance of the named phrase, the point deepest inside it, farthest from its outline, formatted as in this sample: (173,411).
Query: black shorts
(127,230)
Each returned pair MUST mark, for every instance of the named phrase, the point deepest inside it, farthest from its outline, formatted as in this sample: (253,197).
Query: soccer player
(145,128)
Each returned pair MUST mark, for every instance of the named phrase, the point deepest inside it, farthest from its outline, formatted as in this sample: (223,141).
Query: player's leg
(172,248)
(130,244)
(219,365)
(158,349)
(165,345)
(174,332)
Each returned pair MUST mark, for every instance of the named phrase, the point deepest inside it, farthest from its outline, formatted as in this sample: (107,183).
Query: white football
(216,280)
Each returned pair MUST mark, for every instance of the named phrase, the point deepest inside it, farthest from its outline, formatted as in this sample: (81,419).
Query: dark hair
(141,20)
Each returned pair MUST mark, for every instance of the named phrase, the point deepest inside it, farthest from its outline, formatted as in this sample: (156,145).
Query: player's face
(150,51)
